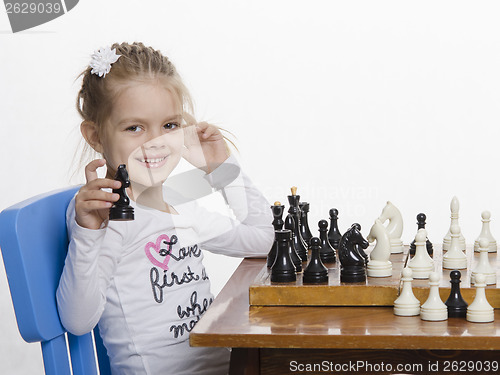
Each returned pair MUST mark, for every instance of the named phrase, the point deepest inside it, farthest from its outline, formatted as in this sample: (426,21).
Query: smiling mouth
(153,162)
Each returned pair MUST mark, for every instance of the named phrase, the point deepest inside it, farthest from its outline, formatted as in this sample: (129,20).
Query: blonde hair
(136,63)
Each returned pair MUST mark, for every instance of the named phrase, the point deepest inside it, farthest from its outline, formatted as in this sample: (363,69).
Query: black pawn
(334,234)
(278,222)
(327,252)
(352,264)
(297,261)
(283,270)
(315,272)
(121,210)
(421,225)
(305,232)
(457,307)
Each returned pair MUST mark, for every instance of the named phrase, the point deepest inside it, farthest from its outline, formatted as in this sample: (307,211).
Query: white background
(354,102)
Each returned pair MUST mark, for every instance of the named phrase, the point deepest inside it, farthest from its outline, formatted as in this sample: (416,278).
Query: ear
(90,133)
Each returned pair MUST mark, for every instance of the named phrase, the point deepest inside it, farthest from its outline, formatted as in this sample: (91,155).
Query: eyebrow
(140,120)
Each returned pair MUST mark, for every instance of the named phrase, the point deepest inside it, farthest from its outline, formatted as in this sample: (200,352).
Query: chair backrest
(34,243)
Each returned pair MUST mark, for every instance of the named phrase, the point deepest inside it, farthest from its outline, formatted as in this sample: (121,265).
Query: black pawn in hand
(457,307)
(421,225)
(315,272)
(121,210)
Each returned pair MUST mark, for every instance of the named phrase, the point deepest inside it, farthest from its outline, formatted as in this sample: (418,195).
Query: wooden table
(362,340)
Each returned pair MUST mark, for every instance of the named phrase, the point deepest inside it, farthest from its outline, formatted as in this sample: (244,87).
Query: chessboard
(375,291)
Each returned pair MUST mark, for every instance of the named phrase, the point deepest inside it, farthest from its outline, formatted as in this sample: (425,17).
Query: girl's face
(144,132)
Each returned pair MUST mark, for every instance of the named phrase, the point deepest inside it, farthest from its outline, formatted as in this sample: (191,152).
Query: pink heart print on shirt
(155,257)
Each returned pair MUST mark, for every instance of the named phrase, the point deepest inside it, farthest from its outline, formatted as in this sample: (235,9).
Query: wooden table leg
(244,361)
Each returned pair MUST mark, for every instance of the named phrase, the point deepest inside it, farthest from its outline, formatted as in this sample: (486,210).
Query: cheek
(175,141)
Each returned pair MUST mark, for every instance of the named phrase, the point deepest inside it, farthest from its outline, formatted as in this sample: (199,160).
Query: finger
(100,195)
(89,206)
(91,168)
(209,132)
(202,126)
(206,130)
(102,183)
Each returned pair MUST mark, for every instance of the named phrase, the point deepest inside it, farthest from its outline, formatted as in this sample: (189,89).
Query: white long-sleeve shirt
(144,282)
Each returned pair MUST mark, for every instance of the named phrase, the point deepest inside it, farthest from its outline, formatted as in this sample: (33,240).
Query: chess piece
(305,232)
(334,234)
(454,208)
(352,264)
(359,247)
(283,270)
(480,311)
(271,256)
(121,209)
(457,307)
(379,264)
(406,304)
(483,265)
(297,262)
(294,212)
(421,225)
(455,258)
(315,272)
(277,210)
(395,226)
(327,252)
(421,264)
(486,233)
(433,309)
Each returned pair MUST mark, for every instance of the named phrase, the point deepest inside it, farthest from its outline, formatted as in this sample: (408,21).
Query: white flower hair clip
(102,59)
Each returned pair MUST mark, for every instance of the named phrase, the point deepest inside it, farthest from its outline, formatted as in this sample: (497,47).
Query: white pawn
(379,264)
(421,264)
(483,266)
(434,308)
(454,208)
(406,304)
(486,233)
(455,258)
(480,311)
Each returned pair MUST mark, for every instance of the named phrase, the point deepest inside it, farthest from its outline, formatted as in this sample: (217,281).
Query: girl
(143,281)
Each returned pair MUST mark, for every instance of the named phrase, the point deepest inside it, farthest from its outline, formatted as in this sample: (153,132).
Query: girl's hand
(91,203)
(205,147)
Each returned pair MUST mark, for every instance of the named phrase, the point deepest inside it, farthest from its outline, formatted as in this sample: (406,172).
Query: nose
(155,141)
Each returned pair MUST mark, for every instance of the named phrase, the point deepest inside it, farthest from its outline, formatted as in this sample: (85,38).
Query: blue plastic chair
(34,243)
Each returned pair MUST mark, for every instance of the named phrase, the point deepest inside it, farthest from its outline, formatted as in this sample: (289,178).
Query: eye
(171,126)
(133,129)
